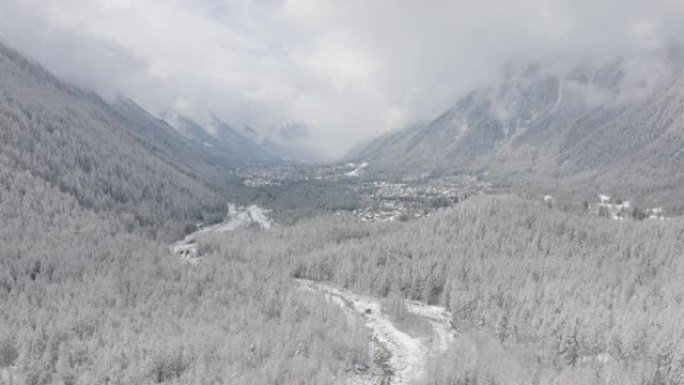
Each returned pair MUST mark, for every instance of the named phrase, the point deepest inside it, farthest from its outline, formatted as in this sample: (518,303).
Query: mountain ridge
(613,127)
(75,141)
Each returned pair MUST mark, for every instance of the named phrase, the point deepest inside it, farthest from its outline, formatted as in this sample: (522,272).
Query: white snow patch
(407,354)
(357,170)
(465,128)
(655,213)
(9,375)
(237,218)
(439,318)
(559,99)
(258,215)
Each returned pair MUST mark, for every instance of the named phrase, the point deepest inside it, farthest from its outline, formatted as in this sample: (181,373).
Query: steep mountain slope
(240,144)
(77,143)
(616,126)
(225,144)
(87,295)
(193,151)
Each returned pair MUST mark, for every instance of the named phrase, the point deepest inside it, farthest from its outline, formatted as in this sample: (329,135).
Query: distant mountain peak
(292,131)
(599,122)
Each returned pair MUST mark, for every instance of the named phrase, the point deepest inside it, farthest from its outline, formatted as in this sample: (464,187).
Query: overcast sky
(347,69)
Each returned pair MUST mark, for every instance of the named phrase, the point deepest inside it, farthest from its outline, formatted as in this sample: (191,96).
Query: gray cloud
(349,70)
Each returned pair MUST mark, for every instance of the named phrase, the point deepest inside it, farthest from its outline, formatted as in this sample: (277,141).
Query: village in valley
(378,198)
(385,199)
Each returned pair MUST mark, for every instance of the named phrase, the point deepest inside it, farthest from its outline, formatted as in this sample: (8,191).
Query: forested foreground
(84,300)
(539,296)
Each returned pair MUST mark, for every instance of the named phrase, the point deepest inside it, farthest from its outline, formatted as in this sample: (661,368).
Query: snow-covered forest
(210,229)
(85,301)
(90,292)
(537,295)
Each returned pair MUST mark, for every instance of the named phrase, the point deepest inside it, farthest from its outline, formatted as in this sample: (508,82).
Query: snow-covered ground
(440,319)
(237,218)
(258,215)
(407,354)
(8,375)
(357,170)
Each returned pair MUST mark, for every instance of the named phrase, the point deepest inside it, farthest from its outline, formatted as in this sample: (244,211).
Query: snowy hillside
(616,124)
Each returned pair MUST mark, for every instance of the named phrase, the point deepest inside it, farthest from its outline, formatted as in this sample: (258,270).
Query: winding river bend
(400,356)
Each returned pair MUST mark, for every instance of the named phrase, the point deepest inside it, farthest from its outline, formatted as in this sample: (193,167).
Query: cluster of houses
(390,201)
(616,209)
(620,210)
(275,176)
(389,212)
